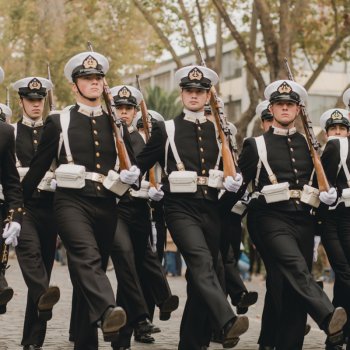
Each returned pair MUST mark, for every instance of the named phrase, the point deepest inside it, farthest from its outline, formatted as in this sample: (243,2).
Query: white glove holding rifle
(233,184)
(130,176)
(11,233)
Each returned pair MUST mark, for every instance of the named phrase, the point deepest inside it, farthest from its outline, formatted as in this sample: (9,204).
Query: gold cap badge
(124,92)
(284,88)
(336,115)
(34,84)
(90,62)
(195,74)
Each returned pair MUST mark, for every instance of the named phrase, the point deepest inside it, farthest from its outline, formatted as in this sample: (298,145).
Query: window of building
(231,66)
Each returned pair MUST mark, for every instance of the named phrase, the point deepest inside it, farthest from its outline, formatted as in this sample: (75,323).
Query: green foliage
(164,102)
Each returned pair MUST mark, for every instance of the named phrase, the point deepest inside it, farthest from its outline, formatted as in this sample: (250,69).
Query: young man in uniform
(191,209)
(84,208)
(137,268)
(36,249)
(286,227)
(12,202)
(335,231)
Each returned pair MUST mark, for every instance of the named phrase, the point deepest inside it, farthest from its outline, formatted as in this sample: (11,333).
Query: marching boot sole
(47,302)
(337,321)
(111,325)
(6,295)
(169,305)
(239,327)
(230,343)
(249,299)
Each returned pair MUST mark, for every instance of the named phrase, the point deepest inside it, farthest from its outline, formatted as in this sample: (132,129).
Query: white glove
(130,176)
(317,240)
(11,232)
(53,184)
(233,184)
(328,197)
(155,194)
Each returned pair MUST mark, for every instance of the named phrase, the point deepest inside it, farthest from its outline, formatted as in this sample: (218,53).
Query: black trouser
(36,253)
(288,237)
(336,241)
(141,279)
(231,236)
(274,282)
(87,226)
(195,227)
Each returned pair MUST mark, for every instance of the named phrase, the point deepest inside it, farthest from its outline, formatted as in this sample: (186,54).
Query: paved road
(57,335)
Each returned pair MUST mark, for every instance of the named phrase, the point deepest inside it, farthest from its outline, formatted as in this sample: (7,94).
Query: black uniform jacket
(330,161)
(289,159)
(91,143)
(27,141)
(197,148)
(8,172)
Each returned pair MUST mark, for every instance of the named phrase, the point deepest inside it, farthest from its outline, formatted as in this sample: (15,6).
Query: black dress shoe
(233,329)
(336,321)
(167,307)
(32,347)
(146,327)
(6,295)
(144,338)
(46,303)
(246,299)
(113,319)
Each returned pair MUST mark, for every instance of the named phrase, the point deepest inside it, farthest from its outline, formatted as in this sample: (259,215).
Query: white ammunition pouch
(344,149)
(310,196)
(113,183)
(71,176)
(181,181)
(22,171)
(239,208)
(216,176)
(45,183)
(142,192)
(1,194)
(276,192)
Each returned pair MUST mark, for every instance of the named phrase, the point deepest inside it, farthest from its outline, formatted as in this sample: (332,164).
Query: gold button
(97,154)
(203,171)
(35,131)
(289,140)
(295,170)
(201,149)
(293,160)
(35,141)
(93,121)
(205,192)
(199,138)
(203,160)
(98,187)
(297,202)
(97,143)
(98,166)
(199,128)
(297,181)
(291,149)
(19,210)
(95,132)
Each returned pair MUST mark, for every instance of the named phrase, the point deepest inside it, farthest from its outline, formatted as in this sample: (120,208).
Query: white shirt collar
(284,132)
(194,116)
(32,123)
(90,111)
(131,129)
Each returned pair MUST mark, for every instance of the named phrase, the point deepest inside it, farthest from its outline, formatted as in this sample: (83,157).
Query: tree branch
(245,50)
(190,30)
(201,23)
(327,56)
(149,18)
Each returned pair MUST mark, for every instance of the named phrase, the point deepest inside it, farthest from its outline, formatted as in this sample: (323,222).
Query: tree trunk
(201,23)
(218,48)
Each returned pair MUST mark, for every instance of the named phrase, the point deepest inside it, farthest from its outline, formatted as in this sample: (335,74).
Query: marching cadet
(187,149)
(12,203)
(286,228)
(138,269)
(336,223)
(84,209)
(262,110)
(36,248)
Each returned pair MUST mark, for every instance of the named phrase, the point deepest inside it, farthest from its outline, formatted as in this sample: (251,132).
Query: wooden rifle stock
(227,156)
(4,252)
(145,116)
(313,144)
(124,160)
(50,96)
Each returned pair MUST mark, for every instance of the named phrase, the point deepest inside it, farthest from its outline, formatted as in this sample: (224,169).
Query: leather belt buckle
(295,193)
(97,177)
(202,180)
